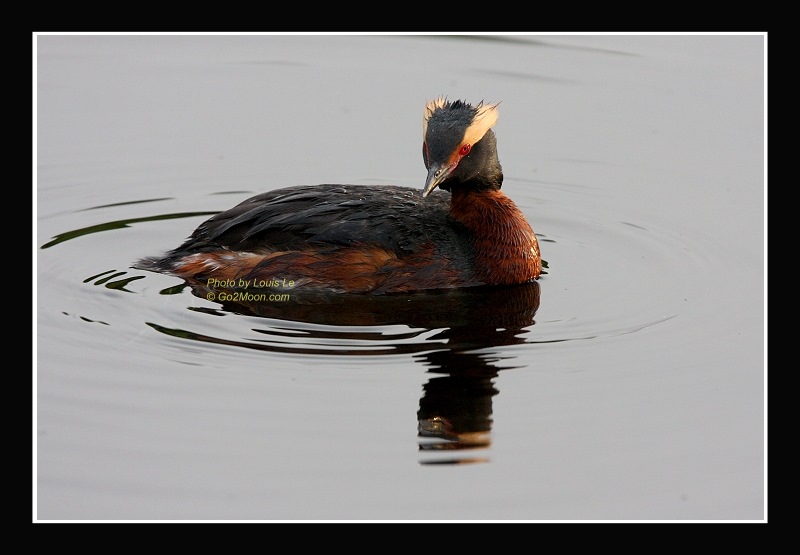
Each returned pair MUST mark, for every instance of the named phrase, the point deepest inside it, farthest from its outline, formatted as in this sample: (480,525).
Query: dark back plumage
(300,217)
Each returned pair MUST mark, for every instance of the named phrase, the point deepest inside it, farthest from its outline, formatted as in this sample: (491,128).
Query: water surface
(627,384)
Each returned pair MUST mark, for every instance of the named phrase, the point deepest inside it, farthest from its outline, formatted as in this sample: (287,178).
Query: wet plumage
(378,239)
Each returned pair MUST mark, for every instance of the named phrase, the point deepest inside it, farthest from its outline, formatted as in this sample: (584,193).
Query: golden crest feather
(485,117)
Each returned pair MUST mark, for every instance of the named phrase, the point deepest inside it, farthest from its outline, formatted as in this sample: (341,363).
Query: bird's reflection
(455,411)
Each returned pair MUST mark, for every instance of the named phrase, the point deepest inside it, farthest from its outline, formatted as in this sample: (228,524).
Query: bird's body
(378,239)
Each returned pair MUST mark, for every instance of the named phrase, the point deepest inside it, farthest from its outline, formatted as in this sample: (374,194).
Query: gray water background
(638,393)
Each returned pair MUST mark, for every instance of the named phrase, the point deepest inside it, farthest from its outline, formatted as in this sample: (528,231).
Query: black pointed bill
(436,174)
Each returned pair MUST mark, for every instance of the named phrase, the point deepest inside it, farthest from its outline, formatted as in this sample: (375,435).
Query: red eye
(464,150)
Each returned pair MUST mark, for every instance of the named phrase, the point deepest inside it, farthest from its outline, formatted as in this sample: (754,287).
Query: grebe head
(458,145)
